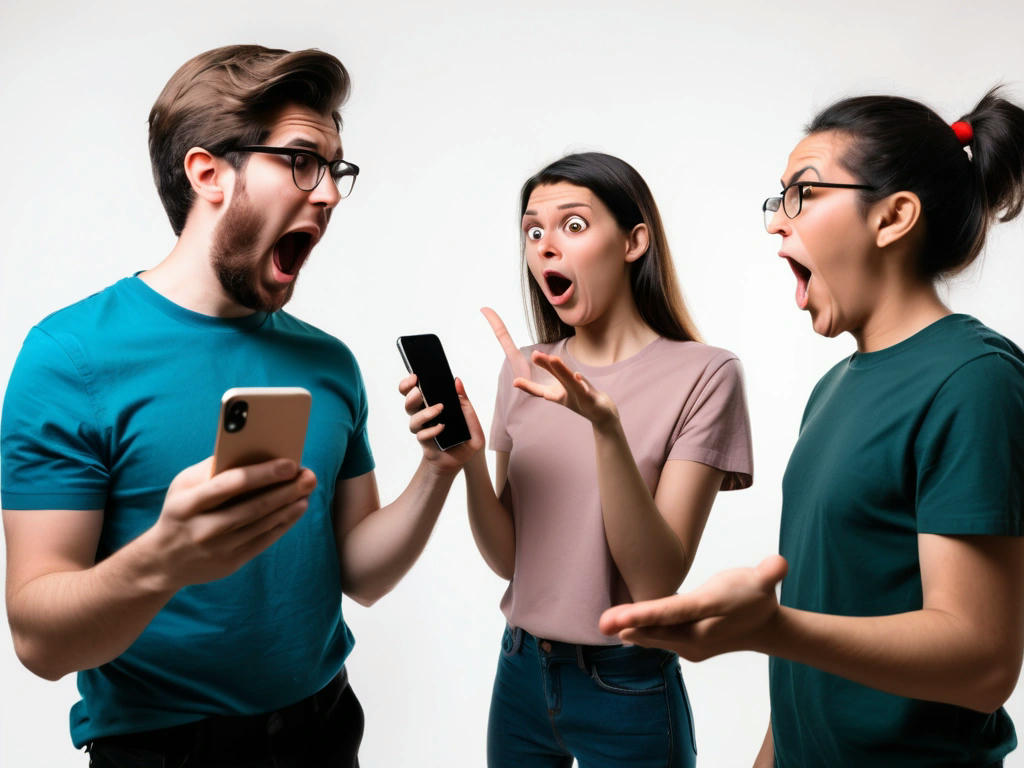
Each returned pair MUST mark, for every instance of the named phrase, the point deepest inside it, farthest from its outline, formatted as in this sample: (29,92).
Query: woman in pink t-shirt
(613,435)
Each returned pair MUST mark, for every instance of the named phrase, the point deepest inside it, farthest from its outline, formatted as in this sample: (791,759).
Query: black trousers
(322,731)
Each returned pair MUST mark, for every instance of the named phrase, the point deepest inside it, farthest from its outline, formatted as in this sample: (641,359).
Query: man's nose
(326,192)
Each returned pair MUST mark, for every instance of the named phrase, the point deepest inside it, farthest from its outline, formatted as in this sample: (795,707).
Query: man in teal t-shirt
(203,614)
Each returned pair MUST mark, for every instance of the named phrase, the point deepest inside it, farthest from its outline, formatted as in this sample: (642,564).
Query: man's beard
(235,256)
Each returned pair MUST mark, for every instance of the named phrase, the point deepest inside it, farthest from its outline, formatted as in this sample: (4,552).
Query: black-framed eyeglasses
(792,198)
(308,167)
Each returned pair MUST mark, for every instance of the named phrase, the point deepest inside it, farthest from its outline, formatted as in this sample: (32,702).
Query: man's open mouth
(291,251)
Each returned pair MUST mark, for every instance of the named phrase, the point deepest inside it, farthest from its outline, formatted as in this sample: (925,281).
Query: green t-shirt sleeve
(969,452)
(358,456)
(52,450)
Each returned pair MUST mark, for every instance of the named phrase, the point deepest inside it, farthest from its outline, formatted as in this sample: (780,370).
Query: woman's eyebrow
(797,175)
(562,207)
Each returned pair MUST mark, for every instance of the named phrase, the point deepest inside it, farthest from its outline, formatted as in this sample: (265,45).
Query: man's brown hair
(226,98)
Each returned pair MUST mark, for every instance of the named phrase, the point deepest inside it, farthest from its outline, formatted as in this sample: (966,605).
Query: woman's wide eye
(575,224)
(534,233)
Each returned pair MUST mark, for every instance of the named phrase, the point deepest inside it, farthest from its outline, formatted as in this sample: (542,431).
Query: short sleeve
(500,439)
(52,453)
(716,429)
(969,452)
(358,456)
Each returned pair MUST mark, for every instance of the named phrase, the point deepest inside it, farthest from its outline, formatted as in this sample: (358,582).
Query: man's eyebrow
(311,145)
(796,175)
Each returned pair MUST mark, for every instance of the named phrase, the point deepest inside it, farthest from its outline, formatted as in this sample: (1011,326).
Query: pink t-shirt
(677,400)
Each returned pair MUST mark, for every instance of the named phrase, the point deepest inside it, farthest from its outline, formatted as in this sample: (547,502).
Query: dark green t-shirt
(926,436)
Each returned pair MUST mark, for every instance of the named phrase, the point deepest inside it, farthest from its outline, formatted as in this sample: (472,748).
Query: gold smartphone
(259,424)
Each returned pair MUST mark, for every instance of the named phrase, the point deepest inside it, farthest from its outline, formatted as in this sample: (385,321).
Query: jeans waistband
(580,654)
(230,733)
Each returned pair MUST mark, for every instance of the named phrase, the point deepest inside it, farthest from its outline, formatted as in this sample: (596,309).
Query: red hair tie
(963,131)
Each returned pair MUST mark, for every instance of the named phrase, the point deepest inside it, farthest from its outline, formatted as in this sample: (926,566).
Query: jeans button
(545,646)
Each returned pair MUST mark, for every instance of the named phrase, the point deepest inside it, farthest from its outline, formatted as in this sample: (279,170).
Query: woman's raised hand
(569,388)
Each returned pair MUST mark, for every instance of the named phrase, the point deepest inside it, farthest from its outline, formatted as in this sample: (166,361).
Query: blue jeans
(605,706)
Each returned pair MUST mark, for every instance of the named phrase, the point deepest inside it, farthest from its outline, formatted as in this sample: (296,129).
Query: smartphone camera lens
(235,416)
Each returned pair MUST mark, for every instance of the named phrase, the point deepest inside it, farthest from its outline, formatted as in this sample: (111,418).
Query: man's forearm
(67,621)
(383,546)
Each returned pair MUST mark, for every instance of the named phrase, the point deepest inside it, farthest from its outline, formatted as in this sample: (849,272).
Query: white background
(453,106)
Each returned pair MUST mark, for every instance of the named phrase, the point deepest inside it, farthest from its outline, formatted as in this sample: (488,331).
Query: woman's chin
(821,323)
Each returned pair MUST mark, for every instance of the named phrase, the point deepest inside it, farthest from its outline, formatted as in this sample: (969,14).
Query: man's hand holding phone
(222,512)
(446,446)
(210,526)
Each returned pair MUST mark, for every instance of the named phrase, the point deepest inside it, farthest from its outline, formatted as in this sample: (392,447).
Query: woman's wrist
(772,637)
(608,425)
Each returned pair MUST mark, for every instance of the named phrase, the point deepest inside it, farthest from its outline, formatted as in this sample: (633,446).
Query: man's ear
(206,175)
(895,217)
(639,240)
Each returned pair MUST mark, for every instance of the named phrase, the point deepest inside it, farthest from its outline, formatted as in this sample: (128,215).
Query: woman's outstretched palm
(569,388)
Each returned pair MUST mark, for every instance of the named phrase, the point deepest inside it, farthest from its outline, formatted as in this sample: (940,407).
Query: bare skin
(68,612)
(377,545)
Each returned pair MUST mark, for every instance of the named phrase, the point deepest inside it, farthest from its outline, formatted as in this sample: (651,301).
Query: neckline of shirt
(862,360)
(142,290)
(562,350)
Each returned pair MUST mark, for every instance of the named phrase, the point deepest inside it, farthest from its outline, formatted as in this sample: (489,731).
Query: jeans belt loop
(580,661)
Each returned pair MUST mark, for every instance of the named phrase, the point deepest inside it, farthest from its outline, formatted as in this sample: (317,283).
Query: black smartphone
(424,356)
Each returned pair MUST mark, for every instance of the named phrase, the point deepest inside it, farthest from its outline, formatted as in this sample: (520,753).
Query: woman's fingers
(555,393)
(666,611)
(520,366)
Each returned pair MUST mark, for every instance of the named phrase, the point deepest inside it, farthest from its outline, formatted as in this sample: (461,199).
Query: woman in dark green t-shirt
(900,628)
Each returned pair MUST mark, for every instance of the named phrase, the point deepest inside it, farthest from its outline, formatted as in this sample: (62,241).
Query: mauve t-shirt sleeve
(716,429)
(500,438)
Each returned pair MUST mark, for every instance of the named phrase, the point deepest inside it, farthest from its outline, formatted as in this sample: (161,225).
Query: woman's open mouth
(290,253)
(803,279)
(559,286)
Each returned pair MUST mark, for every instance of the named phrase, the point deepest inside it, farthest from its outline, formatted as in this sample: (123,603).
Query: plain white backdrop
(453,106)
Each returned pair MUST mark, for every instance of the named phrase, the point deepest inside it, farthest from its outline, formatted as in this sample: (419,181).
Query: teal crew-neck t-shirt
(113,396)
(926,436)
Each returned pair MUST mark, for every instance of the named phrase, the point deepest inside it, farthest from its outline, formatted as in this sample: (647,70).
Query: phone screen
(424,356)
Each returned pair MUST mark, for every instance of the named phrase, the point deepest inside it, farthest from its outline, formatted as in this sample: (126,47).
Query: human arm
(963,647)
(378,545)
(490,513)
(652,538)
(68,612)
(766,755)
